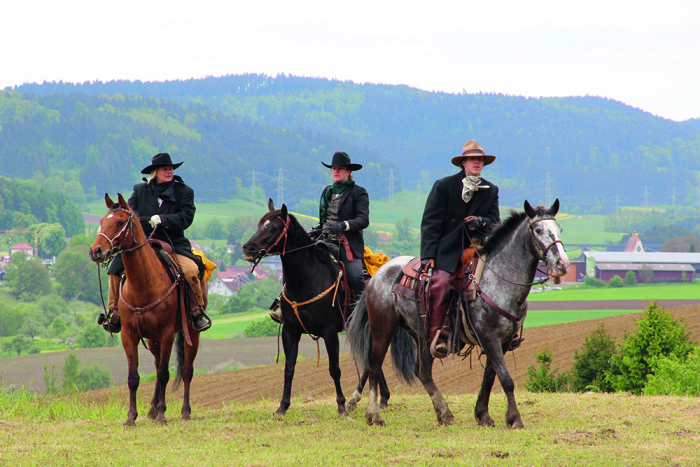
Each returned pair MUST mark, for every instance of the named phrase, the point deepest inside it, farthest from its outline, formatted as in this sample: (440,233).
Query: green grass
(561,430)
(547,317)
(227,326)
(686,291)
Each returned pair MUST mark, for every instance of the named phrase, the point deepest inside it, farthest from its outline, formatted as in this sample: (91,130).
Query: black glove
(315,229)
(476,223)
(338,229)
(426,263)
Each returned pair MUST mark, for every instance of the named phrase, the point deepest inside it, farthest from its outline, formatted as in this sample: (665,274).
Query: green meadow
(686,291)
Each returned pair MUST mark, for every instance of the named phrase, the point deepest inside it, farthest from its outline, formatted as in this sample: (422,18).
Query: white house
(24,248)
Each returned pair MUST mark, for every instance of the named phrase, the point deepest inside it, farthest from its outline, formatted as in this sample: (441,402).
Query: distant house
(228,282)
(658,266)
(24,248)
(634,244)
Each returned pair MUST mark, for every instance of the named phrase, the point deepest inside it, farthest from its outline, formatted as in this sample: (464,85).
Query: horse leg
(495,359)
(380,346)
(333,350)
(290,343)
(163,376)
(383,391)
(357,395)
(481,410)
(424,371)
(188,372)
(154,348)
(131,349)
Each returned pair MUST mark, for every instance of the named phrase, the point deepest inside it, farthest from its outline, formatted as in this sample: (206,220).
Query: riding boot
(112,322)
(438,326)
(275,312)
(200,319)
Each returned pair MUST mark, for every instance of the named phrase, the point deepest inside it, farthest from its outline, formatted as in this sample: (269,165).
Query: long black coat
(176,216)
(443,219)
(353,208)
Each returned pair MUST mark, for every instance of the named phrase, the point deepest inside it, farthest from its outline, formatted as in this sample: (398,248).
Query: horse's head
(546,238)
(116,230)
(271,236)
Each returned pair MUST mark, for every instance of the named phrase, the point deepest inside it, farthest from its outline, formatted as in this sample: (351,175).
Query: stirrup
(439,349)
(201,322)
(276,315)
(114,323)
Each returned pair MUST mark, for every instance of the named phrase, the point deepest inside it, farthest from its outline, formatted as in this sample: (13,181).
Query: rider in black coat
(455,202)
(164,203)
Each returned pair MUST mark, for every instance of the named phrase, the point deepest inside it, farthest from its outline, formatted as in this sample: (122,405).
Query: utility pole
(646,195)
(548,191)
(252,195)
(391,192)
(617,203)
(280,188)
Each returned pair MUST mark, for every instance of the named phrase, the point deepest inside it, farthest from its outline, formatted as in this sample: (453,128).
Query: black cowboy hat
(341,159)
(161,159)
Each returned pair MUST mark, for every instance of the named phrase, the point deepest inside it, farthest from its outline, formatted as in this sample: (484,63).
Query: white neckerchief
(470,184)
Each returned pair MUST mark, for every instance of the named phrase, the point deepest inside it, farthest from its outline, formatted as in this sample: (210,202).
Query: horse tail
(359,335)
(403,355)
(403,347)
(180,354)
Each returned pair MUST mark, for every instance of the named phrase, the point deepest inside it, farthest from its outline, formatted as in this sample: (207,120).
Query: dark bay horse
(148,307)
(494,318)
(312,301)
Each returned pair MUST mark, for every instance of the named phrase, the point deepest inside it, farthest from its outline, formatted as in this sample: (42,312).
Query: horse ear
(108,201)
(555,208)
(270,205)
(122,203)
(284,210)
(528,210)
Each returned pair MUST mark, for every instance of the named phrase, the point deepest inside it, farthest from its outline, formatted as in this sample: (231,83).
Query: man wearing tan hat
(460,208)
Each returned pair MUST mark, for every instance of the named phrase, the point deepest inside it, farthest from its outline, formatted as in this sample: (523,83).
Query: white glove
(155,220)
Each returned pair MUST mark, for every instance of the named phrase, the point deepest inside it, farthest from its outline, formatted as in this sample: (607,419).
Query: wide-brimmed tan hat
(472,149)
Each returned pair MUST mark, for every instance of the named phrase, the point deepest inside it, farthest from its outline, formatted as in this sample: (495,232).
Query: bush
(675,377)
(590,366)
(542,379)
(261,328)
(658,336)
(630,278)
(93,376)
(616,282)
(593,282)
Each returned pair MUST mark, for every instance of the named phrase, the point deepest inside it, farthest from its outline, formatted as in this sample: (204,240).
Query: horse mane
(504,232)
(297,234)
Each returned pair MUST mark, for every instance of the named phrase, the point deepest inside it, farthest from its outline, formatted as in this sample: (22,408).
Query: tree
(11,319)
(658,335)
(70,374)
(52,239)
(27,278)
(93,376)
(77,277)
(646,274)
(630,278)
(50,380)
(590,366)
(676,377)
(543,379)
(616,281)
(32,327)
(92,336)
(19,344)
(59,326)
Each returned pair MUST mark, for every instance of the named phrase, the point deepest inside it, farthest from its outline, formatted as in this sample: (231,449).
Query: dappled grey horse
(493,319)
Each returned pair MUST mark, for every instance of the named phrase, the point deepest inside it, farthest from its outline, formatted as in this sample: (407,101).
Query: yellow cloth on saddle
(374,261)
(208,264)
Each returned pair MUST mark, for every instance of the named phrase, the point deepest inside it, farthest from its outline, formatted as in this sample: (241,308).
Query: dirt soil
(261,379)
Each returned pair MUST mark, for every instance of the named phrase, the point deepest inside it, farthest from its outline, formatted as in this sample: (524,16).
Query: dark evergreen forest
(591,152)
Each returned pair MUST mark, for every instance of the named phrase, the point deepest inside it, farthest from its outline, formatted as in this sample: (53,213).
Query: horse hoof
(350,406)
(129,423)
(375,420)
(383,405)
(161,422)
(517,425)
(448,421)
(279,414)
(186,417)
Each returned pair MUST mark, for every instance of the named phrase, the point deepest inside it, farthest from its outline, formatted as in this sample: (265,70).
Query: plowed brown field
(453,376)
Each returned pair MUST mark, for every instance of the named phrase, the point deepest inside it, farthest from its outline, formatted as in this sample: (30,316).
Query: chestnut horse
(149,308)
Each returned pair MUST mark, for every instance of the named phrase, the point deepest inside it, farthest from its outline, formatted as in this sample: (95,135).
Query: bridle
(539,246)
(263,252)
(128,225)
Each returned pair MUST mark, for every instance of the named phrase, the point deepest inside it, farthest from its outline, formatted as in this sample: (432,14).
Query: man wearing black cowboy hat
(344,211)
(460,210)
(167,205)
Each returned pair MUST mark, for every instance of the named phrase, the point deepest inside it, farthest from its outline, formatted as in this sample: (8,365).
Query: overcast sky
(643,53)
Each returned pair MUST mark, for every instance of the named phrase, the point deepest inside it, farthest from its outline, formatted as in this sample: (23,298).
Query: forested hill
(594,153)
(98,144)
